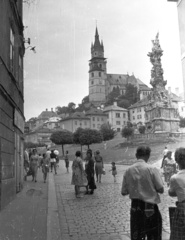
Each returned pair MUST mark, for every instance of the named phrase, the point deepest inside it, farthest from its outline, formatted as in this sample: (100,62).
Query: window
(93,125)
(133,111)
(12,50)
(92,74)
(133,118)
(76,123)
(118,115)
(102,119)
(93,118)
(118,123)
(20,72)
(99,74)
(118,129)
(85,123)
(92,82)
(124,115)
(100,65)
(98,119)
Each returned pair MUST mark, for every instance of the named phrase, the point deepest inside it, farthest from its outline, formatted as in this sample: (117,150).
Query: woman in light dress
(169,167)
(79,178)
(98,166)
(34,163)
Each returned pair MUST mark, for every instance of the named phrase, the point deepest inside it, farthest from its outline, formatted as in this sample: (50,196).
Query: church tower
(97,72)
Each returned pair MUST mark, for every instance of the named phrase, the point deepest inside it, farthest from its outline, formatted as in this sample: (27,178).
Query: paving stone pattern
(105,215)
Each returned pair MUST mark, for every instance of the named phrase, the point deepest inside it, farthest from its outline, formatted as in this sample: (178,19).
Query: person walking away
(89,170)
(164,155)
(40,159)
(169,167)
(45,166)
(78,174)
(143,183)
(114,171)
(98,166)
(53,161)
(34,159)
(66,158)
(177,189)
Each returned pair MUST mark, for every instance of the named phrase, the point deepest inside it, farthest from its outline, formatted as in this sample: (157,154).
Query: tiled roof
(47,114)
(114,108)
(95,111)
(76,115)
(140,103)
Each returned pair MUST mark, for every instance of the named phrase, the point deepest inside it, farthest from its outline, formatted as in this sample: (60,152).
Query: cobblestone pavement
(101,216)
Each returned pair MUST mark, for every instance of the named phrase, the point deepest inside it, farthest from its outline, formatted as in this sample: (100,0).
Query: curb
(53,227)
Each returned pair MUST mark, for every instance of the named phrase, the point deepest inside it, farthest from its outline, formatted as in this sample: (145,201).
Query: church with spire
(102,83)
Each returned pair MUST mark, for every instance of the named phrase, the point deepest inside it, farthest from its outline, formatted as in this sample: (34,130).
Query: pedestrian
(78,174)
(177,189)
(143,183)
(164,155)
(98,166)
(66,158)
(34,159)
(40,159)
(169,167)
(26,164)
(45,166)
(114,171)
(53,161)
(56,152)
(89,170)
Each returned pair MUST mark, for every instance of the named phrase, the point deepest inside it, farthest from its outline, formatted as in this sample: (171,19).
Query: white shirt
(177,185)
(141,181)
(165,152)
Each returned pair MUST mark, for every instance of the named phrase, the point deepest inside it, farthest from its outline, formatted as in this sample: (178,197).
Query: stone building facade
(11,100)
(101,83)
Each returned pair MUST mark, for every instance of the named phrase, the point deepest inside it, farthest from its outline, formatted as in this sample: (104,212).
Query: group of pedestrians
(33,161)
(143,183)
(84,177)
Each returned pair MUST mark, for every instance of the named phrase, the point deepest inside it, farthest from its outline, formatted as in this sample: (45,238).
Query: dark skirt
(146,221)
(178,223)
(91,182)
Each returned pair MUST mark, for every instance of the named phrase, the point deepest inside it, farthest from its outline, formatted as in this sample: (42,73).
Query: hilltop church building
(102,83)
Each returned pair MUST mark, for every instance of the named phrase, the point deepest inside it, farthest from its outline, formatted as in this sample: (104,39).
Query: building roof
(95,111)
(114,108)
(47,114)
(140,103)
(143,87)
(76,115)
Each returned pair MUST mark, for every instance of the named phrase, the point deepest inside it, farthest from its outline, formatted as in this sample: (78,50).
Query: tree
(131,93)
(71,107)
(33,145)
(61,110)
(107,132)
(62,137)
(182,122)
(112,96)
(89,136)
(76,136)
(127,132)
(142,129)
(124,103)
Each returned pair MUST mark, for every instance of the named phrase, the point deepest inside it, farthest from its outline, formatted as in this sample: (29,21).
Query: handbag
(103,171)
(30,172)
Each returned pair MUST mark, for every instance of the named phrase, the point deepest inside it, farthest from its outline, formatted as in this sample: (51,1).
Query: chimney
(177,91)
(52,109)
(169,90)
(115,104)
(46,109)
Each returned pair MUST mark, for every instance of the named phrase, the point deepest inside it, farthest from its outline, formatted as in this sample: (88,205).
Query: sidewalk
(37,211)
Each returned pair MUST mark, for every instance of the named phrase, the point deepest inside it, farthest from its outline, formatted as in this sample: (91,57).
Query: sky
(63,30)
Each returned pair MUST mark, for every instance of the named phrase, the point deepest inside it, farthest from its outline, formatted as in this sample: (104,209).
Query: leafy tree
(61,110)
(71,107)
(76,136)
(142,129)
(33,145)
(124,103)
(112,96)
(131,93)
(89,136)
(182,122)
(127,132)
(107,132)
(62,137)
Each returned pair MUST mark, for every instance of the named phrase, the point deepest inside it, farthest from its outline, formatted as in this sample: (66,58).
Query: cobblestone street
(103,215)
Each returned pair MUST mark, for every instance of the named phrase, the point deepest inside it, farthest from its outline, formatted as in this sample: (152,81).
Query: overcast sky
(62,31)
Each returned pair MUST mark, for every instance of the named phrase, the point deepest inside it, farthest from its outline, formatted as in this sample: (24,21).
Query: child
(114,171)
(67,161)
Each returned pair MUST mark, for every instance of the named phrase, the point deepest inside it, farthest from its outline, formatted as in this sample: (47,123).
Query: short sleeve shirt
(177,185)
(141,181)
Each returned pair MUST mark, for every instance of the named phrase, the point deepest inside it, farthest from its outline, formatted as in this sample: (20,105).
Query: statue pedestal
(162,119)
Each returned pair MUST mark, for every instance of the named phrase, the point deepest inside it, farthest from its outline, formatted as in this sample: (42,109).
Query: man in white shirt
(143,183)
